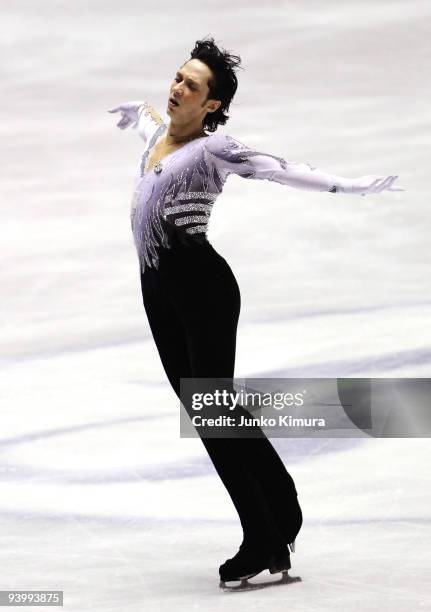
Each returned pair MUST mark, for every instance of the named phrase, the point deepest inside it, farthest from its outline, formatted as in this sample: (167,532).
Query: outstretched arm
(141,115)
(233,157)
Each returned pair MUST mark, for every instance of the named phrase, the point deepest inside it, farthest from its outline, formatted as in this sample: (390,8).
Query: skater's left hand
(373,184)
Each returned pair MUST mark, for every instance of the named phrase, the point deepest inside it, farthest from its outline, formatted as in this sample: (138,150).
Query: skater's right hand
(129,113)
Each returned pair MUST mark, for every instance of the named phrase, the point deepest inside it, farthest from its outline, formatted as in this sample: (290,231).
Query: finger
(374,183)
(390,188)
(372,186)
(386,182)
(114,110)
(391,182)
(123,123)
(396,189)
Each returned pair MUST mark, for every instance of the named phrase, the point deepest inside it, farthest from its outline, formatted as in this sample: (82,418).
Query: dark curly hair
(222,84)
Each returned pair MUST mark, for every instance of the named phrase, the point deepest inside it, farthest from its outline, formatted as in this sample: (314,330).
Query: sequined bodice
(179,189)
(183,186)
(149,153)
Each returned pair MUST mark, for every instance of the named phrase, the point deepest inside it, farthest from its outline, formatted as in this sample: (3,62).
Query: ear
(214,106)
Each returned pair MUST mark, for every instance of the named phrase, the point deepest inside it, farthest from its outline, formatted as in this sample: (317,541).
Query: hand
(373,184)
(129,113)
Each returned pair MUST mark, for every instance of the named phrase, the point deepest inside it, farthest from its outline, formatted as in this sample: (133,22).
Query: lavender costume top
(184,191)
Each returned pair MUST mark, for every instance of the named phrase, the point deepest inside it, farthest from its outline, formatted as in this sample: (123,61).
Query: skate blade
(245,585)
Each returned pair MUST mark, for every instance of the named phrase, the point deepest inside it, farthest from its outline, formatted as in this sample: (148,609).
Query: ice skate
(249,562)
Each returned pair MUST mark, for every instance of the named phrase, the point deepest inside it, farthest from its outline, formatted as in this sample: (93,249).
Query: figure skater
(190,294)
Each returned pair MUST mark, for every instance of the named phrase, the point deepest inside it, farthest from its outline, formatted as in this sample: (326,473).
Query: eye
(192,87)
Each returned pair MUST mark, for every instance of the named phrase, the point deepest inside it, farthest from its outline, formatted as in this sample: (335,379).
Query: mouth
(173,102)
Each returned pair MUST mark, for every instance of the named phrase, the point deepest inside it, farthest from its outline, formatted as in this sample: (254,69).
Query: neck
(177,134)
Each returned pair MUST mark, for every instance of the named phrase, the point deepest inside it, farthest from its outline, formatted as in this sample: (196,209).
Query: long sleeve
(233,157)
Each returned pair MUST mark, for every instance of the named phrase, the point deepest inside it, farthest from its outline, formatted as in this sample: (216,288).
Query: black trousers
(193,303)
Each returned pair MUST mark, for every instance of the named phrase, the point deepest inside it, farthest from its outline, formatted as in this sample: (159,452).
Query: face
(189,88)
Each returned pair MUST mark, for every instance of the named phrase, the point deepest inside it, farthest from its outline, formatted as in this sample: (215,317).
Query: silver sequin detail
(196,229)
(153,140)
(192,195)
(191,219)
(172,210)
(197,194)
(243,153)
